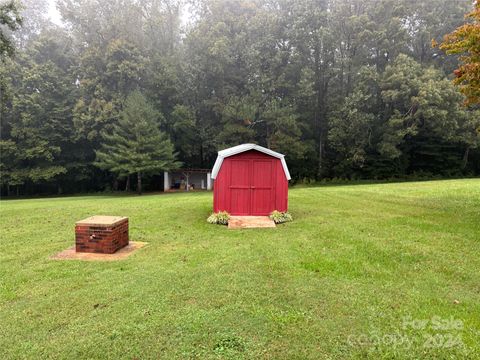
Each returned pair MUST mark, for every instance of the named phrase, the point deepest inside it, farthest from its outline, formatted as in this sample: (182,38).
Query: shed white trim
(246,147)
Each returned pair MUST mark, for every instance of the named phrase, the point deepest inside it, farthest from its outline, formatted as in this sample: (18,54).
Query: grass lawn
(364,271)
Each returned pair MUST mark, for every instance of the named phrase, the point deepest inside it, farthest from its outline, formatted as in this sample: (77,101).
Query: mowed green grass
(344,280)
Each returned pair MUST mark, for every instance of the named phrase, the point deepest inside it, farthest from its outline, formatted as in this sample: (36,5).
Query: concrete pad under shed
(250,222)
(71,254)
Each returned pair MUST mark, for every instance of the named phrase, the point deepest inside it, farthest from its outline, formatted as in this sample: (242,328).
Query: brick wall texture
(101,239)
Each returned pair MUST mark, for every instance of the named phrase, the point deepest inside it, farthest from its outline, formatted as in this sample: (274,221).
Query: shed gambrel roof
(246,147)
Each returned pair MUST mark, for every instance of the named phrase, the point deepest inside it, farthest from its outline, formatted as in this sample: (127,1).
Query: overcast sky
(52,12)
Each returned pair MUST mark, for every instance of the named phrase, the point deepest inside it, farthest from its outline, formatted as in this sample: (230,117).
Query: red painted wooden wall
(250,183)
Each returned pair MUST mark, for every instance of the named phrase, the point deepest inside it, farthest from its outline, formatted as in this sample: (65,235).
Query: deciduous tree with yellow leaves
(465,40)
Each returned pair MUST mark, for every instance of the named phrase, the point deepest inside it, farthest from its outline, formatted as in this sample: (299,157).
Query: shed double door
(252,190)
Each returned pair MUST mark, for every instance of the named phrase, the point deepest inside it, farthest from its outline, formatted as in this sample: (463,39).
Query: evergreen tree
(136,145)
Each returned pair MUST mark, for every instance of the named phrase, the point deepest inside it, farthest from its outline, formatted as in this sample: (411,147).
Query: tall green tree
(136,145)
(38,124)
(10,20)
(417,123)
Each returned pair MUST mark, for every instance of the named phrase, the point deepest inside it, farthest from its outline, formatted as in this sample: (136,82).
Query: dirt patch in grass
(71,254)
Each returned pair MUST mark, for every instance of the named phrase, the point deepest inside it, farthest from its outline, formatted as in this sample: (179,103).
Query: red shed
(250,180)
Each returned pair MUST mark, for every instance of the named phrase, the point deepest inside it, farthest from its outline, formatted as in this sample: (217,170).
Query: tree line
(123,89)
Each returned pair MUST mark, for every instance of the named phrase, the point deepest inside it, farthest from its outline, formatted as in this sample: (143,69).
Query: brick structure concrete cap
(101,220)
